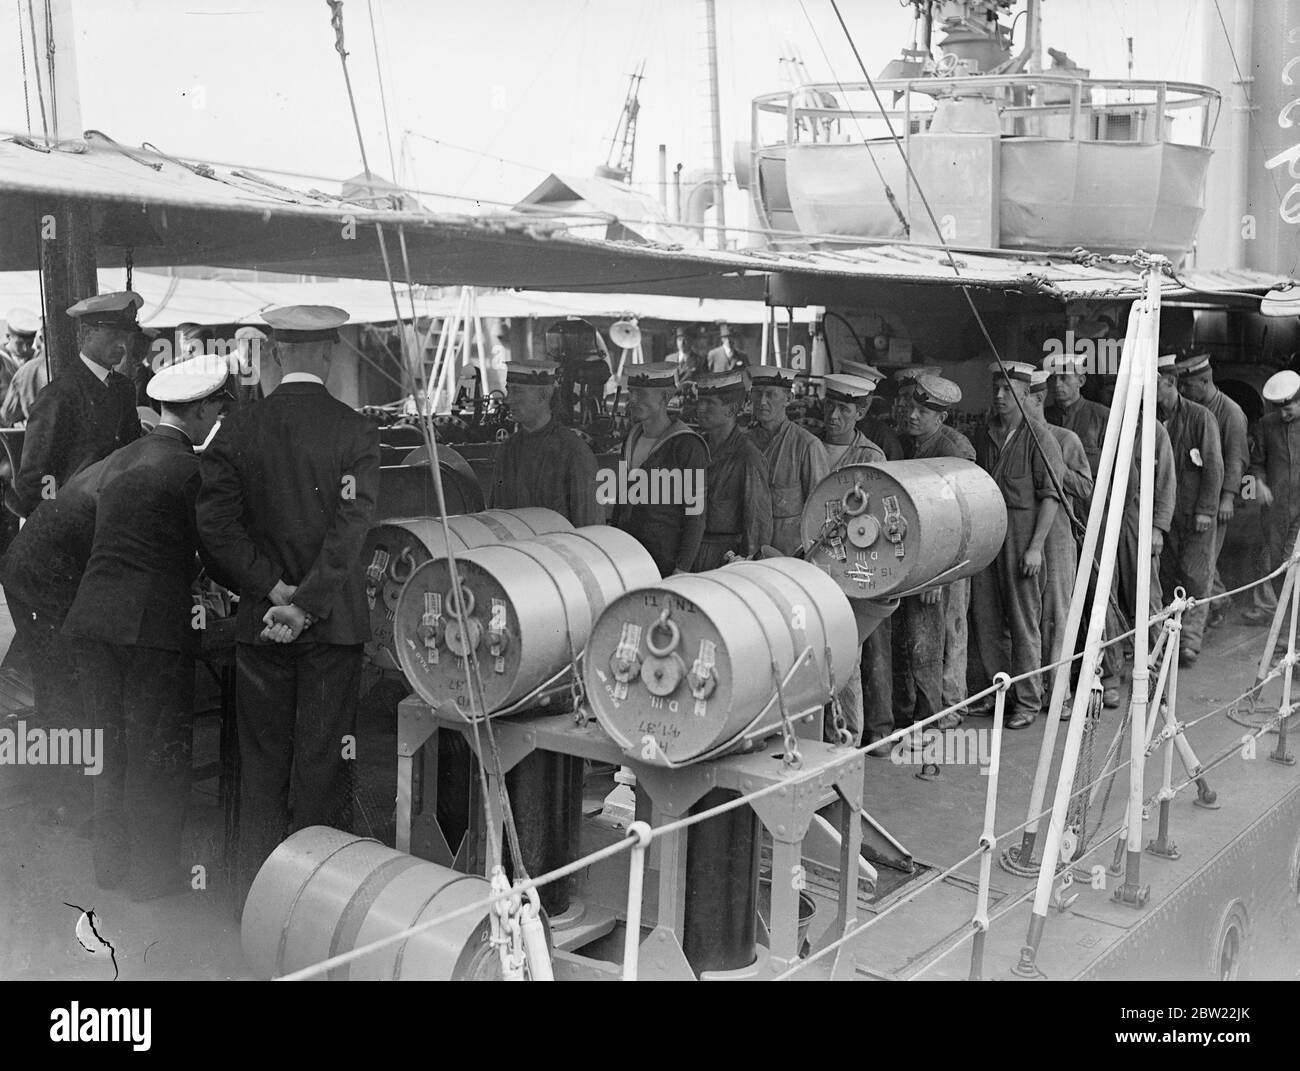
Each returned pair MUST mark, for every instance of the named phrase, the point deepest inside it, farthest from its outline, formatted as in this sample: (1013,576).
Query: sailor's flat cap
(1038,381)
(1167,362)
(935,392)
(116,309)
(305,323)
(661,374)
(851,389)
(770,375)
(249,331)
(860,369)
(720,382)
(1194,365)
(532,373)
(22,322)
(1281,387)
(1014,370)
(189,380)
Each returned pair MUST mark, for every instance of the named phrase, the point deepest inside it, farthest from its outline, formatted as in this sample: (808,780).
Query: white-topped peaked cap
(189,380)
(1281,387)
(22,322)
(842,388)
(305,323)
(115,309)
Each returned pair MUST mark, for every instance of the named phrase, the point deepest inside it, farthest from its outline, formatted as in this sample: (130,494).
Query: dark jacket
(45,562)
(136,588)
(289,490)
(75,421)
(1087,419)
(551,468)
(1198,458)
(884,437)
(666,529)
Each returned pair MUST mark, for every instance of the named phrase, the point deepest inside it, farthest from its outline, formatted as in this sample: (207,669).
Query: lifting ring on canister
(407,557)
(462,606)
(674,637)
(856,489)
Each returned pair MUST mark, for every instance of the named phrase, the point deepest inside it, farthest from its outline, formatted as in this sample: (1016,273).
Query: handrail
(633,838)
(899,85)
(801,106)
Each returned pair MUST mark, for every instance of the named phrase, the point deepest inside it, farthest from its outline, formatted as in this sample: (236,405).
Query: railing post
(1162,846)
(1280,753)
(635,887)
(988,839)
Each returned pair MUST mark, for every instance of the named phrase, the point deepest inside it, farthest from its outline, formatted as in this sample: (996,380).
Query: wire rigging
(383,97)
(889,193)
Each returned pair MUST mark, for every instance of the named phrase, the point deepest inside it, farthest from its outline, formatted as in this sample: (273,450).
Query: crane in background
(622,146)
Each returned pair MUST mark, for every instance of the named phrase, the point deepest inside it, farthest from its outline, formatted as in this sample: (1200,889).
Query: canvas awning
(171,213)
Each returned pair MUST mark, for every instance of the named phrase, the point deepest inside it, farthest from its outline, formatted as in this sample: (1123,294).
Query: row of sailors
(1043,457)
(279,504)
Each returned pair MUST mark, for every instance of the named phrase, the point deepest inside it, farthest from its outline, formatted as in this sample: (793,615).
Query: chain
(791,760)
(843,738)
(1110,781)
(507,935)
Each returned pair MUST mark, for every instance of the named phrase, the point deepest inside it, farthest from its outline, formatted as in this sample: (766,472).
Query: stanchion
(1018,859)
(1162,846)
(1280,754)
(988,838)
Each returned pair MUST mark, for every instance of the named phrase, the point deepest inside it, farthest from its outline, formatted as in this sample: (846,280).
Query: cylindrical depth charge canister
(323,892)
(396,548)
(526,612)
(683,670)
(895,526)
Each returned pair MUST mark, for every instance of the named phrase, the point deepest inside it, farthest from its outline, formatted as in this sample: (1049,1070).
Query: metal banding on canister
(323,892)
(893,527)
(395,549)
(527,611)
(682,671)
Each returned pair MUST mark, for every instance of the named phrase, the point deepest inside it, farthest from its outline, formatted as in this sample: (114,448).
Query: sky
(537,83)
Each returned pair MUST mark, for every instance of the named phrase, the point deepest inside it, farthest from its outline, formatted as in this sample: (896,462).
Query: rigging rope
(889,193)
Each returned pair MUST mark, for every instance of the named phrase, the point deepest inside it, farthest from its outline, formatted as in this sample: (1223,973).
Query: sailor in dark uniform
(289,489)
(135,634)
(544,463)
(40,573)
(671,455)
(88,410)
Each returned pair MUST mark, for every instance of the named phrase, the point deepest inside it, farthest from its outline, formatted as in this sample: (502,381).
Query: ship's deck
(941,821)
(43,868)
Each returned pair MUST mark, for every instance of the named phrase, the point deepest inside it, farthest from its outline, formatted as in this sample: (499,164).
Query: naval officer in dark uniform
(40,573)
(136,636)
(289,488)
(87,411)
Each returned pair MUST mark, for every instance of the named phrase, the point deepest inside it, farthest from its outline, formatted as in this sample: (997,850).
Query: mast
(66,229)
(710,15)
